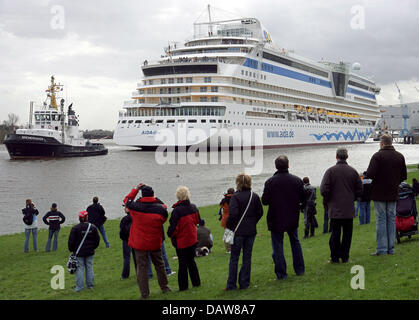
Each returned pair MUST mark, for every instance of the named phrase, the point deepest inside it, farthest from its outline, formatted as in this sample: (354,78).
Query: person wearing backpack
(124,230)
(53,219)
(86,252)
(31,224)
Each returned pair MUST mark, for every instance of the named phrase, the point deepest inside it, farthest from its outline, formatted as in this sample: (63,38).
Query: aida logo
(356,135)
(146,132)
(267,36)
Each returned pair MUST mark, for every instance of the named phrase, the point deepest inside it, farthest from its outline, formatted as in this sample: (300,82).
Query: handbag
(72,263)
(229,234)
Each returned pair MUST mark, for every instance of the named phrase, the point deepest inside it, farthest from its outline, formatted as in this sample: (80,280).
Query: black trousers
(339,247)
(186,258)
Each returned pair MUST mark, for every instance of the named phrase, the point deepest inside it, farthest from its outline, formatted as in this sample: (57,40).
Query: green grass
(27,276)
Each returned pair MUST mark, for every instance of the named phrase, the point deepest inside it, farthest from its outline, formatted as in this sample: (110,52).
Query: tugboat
(55,133)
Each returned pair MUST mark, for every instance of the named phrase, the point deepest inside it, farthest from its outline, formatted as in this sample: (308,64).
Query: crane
(405,114)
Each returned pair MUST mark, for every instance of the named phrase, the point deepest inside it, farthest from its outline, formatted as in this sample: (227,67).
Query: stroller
(406,212)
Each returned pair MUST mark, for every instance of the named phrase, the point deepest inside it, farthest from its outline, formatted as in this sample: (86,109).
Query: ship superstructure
(230,75)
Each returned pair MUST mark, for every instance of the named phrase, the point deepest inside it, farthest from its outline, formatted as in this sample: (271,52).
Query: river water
(73,182)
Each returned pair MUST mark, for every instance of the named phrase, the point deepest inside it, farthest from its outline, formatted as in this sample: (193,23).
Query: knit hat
(54,205)
(83,214)
(147,191)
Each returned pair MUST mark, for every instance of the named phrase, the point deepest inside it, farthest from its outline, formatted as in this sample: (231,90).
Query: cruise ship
(230,85)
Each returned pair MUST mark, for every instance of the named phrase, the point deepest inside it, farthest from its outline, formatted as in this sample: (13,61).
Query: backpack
(27,216)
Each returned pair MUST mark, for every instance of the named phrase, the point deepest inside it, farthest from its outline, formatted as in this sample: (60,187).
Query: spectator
(87,251)
(365,201)
(146,236)
(182,231)
(340,187)
(284,194)
(387,169)
(224,204)
(31,225)
(53,219)
(98,218)
(310,222)
(415,186)
(245,206)
(205,240)
(124,230)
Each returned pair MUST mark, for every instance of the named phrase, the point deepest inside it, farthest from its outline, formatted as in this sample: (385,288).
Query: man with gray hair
(387,169)
(340,187)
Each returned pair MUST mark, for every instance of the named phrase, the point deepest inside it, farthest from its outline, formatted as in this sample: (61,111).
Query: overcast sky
(95,47)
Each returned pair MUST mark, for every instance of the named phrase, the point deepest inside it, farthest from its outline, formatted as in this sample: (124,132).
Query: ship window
(48,117)
(203,89)
(147,121)
(159,121)
(214,99)
(203,120)
(137,121)
(189,80)
(220,121)
(171,80)
(192,120)
(179,80)
(171,121)
(203,99)
(214,89)
(207,79)
(150,81)
(181,120)
(130,121)
(213,121)
(124,121)
(163,81)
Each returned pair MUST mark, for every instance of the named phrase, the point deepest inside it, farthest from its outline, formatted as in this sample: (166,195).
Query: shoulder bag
(229,234)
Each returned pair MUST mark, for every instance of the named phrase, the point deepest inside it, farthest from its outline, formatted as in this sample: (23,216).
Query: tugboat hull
(22,146)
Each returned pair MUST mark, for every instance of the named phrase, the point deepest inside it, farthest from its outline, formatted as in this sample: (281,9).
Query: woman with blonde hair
(182,230)
(245,206)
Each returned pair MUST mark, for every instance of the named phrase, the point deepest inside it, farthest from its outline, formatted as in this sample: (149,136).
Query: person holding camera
(146,236)
(53,219)
(31,224)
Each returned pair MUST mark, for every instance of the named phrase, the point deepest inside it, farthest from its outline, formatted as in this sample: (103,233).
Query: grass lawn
(27,276)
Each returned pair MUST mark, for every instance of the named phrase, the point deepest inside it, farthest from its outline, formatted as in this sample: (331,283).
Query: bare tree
(12,120)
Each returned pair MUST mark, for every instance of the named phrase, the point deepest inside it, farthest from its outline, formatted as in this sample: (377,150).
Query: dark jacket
(183,221)
(238,204)
(204,237)
(125,227)
(148,216)
(96,214)
(284,194)
(30,210)
(90,243)
(54,219)
(366,190)
(340,187)
(387,169)
(310,194)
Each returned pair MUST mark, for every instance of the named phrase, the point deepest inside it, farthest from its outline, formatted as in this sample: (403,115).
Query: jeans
(126,253)
(34,238)
(166,263)
(364,212)
(84,264)
(385,213)
(52,233)
(186,258)
(103,233)
(245,243)
(278,253)
(339,247)
(357,206)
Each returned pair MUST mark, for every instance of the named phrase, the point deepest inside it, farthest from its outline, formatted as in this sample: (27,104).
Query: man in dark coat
(284,194)
(124,230)
(205,239)
(86,252)
(97,217)
(340,187)
(387,169)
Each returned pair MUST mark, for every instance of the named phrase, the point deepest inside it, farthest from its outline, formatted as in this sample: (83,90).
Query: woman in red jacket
(182,230)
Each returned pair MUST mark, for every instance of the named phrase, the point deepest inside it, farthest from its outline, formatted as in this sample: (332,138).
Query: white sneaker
(172,273)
